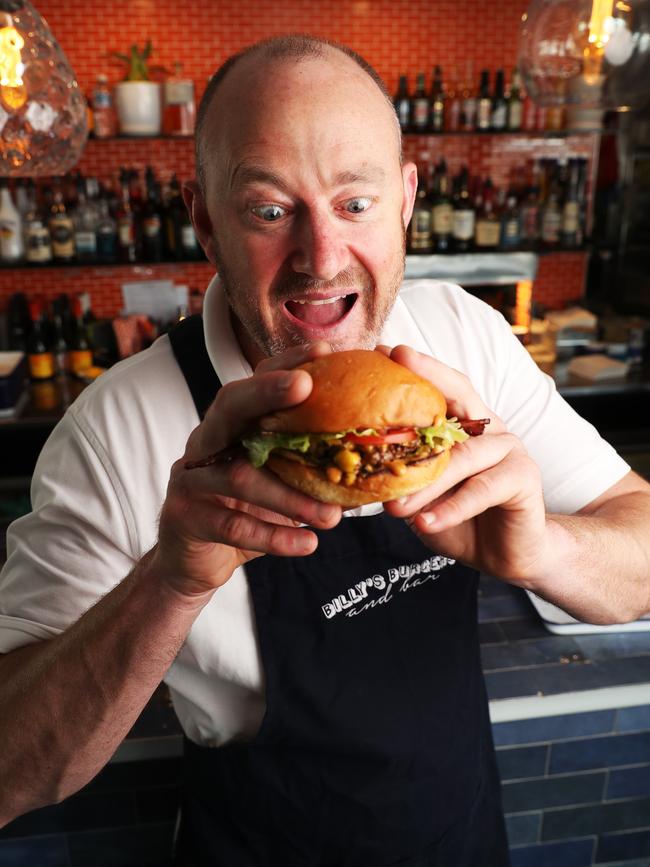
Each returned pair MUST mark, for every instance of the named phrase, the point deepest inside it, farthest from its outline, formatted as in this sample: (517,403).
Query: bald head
(259,64)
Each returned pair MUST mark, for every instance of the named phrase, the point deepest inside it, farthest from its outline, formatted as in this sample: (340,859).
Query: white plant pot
(138,107)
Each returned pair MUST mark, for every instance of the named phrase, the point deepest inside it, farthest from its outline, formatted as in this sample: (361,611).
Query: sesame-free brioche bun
(360,388)
(355,390)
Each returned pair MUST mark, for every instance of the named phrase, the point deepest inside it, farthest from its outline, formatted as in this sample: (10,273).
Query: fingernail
(286,381)
(403,501)
(428,518)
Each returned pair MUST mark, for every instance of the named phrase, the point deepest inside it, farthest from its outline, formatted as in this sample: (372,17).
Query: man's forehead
(261,93)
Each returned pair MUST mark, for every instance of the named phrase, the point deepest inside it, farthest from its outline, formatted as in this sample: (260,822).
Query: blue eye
(359,205)
(270,213)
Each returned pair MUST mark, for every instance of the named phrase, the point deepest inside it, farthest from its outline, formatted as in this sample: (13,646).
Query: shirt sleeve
(75,545)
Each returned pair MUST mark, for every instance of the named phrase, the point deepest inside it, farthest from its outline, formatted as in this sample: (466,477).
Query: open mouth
(321,312)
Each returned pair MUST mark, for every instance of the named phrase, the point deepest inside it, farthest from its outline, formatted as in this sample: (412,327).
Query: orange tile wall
(394,35)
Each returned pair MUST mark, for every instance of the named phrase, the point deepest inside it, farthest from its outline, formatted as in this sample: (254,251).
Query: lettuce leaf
(261,445)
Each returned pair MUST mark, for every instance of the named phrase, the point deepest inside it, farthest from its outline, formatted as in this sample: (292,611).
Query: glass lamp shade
(589,53)
(43,113)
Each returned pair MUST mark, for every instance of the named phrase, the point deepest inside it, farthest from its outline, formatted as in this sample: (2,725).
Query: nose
(321,250)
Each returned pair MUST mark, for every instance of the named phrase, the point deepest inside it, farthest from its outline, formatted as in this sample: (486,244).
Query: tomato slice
(394,435)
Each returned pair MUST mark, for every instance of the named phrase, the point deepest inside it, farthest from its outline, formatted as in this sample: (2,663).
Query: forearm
(64,712)
(598,567)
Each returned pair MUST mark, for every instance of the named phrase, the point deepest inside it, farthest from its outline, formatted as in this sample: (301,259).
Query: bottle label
(511,232)
(463,225)
(442,219)
(499,116)
(438,116)
(125,231)
(152,226)
(484,113)
(403,111)
(38,247)
(188,238)
(41,365)
(80,359)
(86,242)
(487,233)
(469,113)
(420,113)
(570,218)
(529,222)
(551,224)
(62,232)
(420,229)
(515,114)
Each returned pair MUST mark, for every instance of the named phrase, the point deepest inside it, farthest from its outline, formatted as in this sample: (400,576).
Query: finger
(384,349)
(239,485)
(242,530)
(462,399)
(240,403)
(295,356)
(467,459)
(510,485)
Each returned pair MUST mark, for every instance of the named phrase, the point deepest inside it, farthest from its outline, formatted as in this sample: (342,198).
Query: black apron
(376,744)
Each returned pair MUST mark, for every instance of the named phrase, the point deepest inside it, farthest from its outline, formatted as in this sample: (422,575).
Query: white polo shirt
(100,482)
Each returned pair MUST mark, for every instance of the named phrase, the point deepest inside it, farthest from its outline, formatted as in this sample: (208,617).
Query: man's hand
(487,508)
(216,518)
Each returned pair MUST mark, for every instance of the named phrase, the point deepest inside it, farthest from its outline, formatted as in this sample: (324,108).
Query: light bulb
(43,114)
(589,53)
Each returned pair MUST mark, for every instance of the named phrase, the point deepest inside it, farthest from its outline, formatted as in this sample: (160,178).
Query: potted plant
(137,98)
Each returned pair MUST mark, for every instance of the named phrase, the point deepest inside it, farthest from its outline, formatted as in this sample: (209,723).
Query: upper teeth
(322,301)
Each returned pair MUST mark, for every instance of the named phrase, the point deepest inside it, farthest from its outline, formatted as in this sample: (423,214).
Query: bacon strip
(473,426)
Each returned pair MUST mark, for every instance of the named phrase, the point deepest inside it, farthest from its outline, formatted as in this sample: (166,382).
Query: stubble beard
(243,302)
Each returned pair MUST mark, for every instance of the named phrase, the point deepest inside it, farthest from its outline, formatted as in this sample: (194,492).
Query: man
(360,739)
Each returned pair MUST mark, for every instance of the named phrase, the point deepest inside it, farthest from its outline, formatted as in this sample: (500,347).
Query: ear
(410,182)
(195,204)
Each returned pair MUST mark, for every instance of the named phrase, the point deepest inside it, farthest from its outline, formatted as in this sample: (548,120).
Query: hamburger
(371,430)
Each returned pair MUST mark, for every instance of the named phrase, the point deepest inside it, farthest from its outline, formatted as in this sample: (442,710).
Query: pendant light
(43,113)
(588,53)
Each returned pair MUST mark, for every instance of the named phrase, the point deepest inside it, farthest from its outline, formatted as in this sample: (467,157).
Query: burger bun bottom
(377,488)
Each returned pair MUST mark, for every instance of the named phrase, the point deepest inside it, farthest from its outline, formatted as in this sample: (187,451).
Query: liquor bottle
(60,349)
(402,103)
(104,117)
(419,107)
(442,210)
(12,247)
(530,216)
(420,230)
(137,202)
(515,104)
(61,229)
(80,356)
(106,234)
(40,358)
(551,216)
(179,107)
(469,106)
(499,114)
(452,116)
(438,101)
(570,234)
(85,227)
(188,244)
(555,117)
(529,119)
(38,244)
(22,194)
(488,227)
(126,239)
(18,322)
(153,247)
(484,107)
(511,223)
(464,217)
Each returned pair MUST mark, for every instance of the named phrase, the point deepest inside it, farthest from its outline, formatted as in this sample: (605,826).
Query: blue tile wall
(546,792)
(628,782)
(577,853)
(623,847)
(600,752)
(523,828)
(41,851)
(551,728)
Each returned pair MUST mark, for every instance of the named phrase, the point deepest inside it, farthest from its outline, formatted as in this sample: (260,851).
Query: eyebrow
(245,175)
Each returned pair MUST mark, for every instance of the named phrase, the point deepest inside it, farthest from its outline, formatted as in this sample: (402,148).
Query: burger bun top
(360,388)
